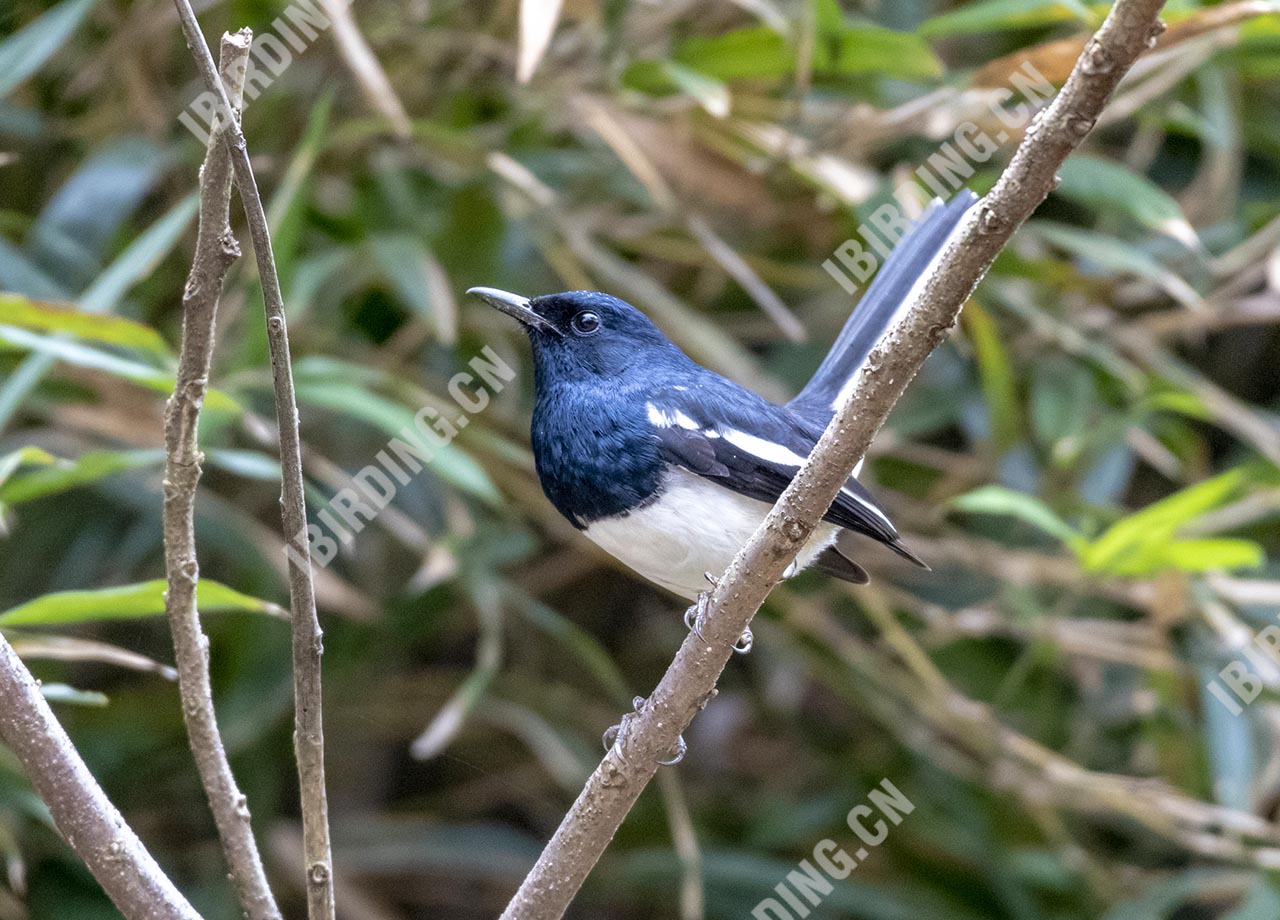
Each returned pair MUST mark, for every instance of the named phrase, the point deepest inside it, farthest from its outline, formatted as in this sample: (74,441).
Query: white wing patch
(758,447)
(765,450)
(673,418)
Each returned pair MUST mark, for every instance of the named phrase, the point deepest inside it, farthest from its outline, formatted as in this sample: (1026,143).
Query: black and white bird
(668,466)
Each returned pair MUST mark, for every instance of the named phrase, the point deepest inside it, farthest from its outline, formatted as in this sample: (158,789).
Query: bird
(670,467)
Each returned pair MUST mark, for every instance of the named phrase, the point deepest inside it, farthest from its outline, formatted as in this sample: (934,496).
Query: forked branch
(216,250)
(308,730)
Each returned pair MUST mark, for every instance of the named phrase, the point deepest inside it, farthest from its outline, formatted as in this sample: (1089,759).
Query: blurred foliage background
(1090,463)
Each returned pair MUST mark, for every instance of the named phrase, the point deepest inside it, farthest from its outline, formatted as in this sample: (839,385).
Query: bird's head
(579,334)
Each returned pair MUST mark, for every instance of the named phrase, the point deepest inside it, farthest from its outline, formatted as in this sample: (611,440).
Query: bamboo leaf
(16,310)
(61,475)
(996,374)
(449,462)
(1002,15)
(56,348)
(1139,539)
(760,52)
(127,602)
(1105,186)
(997,500)
(25,51)
(1117,256)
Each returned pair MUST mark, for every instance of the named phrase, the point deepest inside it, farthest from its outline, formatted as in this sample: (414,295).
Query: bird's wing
(758,463)
(879,307)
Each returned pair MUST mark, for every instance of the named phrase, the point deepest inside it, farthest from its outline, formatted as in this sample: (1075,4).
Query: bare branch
(216,250)
(308,732)
(648,735)
(85,818)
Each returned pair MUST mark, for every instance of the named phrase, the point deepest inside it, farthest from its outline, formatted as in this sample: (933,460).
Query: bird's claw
(610,736)
(677,753)
(694,616)
(613,732)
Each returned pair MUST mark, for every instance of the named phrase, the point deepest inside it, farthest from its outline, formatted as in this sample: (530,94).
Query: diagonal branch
(85,818)
(307,646)
(652,732)
(216,250)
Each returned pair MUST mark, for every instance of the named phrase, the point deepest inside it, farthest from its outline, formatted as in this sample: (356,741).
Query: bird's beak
(516,306)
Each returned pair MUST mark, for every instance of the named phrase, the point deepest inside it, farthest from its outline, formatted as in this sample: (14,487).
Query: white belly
(693,528)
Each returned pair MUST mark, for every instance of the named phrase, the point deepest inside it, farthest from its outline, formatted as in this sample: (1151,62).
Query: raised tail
(878,308)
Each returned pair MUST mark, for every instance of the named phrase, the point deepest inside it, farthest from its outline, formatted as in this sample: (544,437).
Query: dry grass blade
(364,66)
(538,20)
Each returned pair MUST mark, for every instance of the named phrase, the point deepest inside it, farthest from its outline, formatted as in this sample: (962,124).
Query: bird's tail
(879,307)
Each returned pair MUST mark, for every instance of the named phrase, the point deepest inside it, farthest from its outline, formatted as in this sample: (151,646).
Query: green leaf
(61,475)
(1105,186)
(873,50)
(996,374)
(16,310)
(57,348)
(449,462)
(710,93)
(751,52)
(140,257)
(1141,539)
(997,500)
(1180,402)
(135,263)
(128,602)
(417,276)
(65,693)
(1207,555)
(660,78)
(286,214)
(760,52)
(24,456)
(1117,256)
(25,51)
(1062,399)
(1001,15)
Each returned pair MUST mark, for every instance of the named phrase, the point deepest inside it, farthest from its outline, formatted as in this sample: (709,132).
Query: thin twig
(216,250)
(85,818)
(651,733)
(308,731)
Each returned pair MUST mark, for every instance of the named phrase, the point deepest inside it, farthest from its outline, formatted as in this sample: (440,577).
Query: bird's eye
(586,323)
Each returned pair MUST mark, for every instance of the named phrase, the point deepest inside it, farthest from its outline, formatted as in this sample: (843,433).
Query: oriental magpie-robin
(670,467)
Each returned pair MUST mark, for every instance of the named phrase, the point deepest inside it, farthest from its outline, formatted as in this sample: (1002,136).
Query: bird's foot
(614,732)
(713,580)
(695,616)
(677,753)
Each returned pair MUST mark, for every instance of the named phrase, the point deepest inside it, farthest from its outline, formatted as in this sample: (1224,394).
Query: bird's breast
(595,459)
(691,527)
